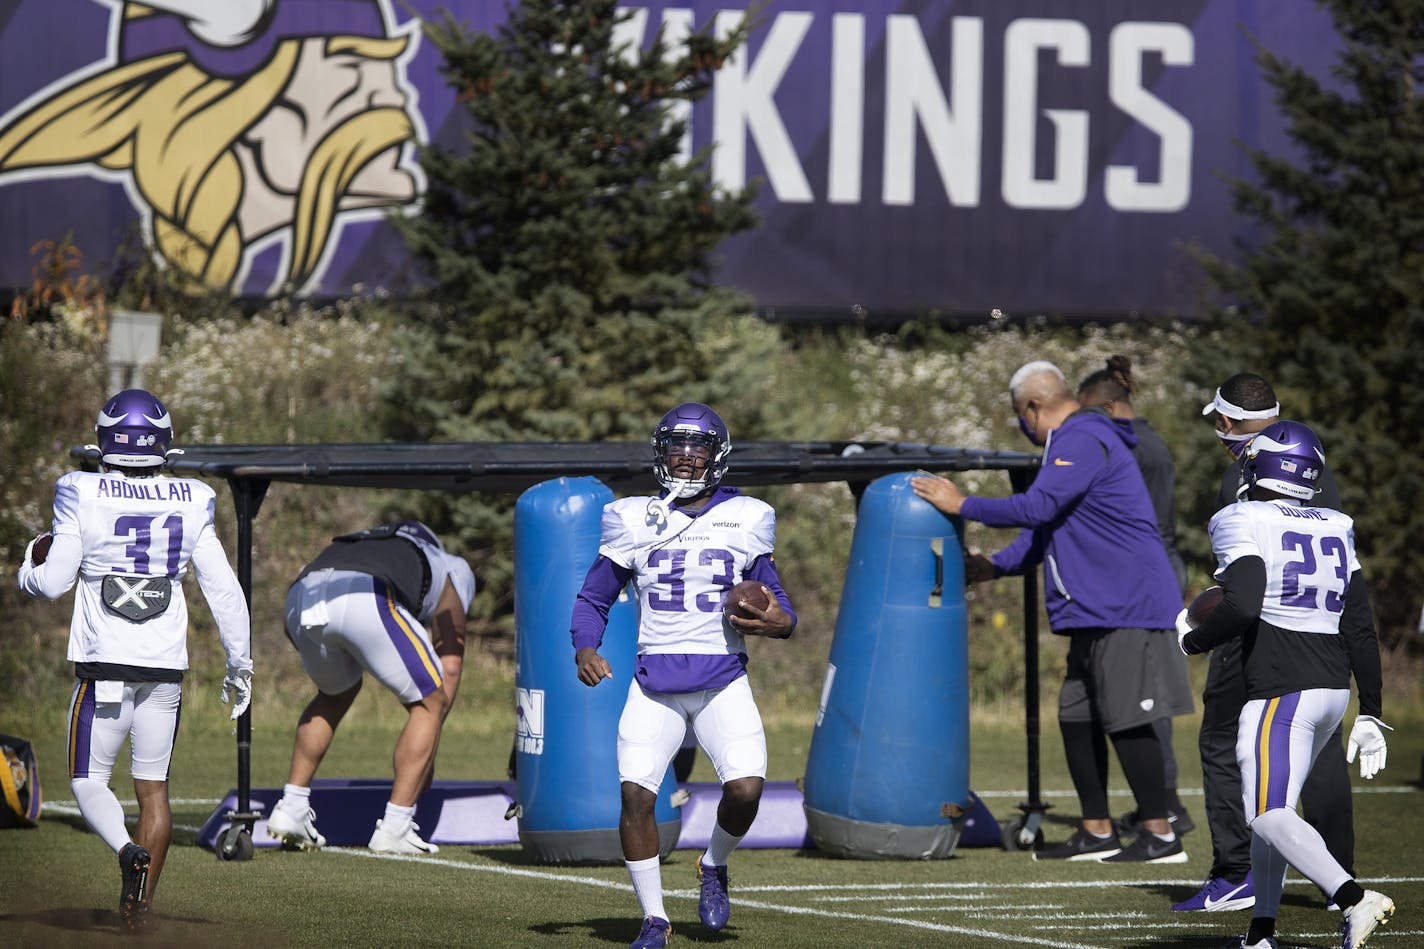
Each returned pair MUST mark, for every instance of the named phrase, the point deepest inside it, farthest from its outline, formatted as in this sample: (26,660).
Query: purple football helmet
(134,430)
(690,424)
(1284,457)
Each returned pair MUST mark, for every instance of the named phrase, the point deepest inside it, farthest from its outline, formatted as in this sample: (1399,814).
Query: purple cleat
(713,906)
(653,935)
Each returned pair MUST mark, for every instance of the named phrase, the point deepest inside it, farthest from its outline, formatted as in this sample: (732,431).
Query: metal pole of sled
(1026,833)
(236,841)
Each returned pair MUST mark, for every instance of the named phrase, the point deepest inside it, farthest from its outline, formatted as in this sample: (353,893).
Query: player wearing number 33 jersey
(682,551)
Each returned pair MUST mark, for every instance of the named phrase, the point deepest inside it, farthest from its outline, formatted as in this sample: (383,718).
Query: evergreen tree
(1331,301)
(570,248)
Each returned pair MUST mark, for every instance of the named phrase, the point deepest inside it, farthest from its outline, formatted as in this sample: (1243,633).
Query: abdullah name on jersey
(134,531)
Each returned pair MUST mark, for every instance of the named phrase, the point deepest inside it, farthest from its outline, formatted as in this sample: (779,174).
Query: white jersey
(444,567)
(683,566)
(108,524)
(1309,553)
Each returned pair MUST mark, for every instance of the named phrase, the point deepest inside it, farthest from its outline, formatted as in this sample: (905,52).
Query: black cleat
(134,862)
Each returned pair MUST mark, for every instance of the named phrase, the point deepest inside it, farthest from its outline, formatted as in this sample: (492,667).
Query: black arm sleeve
(1357,625)
(1244,585)
(1230,479)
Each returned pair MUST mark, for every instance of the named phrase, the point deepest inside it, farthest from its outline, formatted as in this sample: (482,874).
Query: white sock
(397,818)
(648,885)
(102,811)
(295,798)
(1165,838)
(720,847)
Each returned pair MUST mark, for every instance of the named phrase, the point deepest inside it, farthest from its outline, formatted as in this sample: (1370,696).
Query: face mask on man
(1235,443)
(1023,427)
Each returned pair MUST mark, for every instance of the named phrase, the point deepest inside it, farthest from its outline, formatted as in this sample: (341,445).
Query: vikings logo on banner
(236,126)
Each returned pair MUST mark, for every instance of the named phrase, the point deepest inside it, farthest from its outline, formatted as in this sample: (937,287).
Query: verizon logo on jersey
(128,489)
(726,523)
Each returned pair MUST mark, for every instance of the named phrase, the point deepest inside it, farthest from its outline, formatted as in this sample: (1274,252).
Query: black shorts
(1123,678)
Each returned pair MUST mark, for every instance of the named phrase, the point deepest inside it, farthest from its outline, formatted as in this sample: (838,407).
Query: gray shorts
(1123,678)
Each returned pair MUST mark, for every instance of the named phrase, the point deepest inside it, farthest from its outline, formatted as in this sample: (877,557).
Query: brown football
(40,550)
(750,591)
(1206,601)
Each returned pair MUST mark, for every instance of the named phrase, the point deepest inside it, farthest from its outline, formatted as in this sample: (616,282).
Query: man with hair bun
(1111,388)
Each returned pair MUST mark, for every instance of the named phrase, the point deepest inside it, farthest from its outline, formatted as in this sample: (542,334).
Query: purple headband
(144,37)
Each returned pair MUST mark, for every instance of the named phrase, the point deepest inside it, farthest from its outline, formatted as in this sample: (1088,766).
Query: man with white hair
(1088,519)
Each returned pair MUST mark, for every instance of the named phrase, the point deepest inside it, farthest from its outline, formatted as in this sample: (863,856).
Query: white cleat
(384,841)
(1365,917)
(295,832)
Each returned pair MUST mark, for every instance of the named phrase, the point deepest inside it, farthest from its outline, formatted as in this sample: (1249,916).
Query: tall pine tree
(569,245)
(1331,301)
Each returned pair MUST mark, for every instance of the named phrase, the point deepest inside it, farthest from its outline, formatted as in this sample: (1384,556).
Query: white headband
(1219,404)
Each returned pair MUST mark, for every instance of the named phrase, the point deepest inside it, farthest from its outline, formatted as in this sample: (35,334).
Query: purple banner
(1038,156)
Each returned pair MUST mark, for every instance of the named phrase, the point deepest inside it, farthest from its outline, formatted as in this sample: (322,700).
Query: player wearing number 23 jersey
(1293,592)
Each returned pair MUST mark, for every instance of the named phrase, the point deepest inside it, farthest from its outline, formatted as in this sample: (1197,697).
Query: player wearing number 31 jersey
(682,551)
(126,536)
(1293,593)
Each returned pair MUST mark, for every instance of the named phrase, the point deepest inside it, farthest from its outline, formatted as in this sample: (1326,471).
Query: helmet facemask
(690,449)
(687,463)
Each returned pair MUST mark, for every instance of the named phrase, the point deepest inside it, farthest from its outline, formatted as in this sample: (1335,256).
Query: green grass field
(61,882)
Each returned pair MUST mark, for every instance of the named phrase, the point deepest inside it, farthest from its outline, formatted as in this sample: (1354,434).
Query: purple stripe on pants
(408,645)
(1279,748)
(81,728)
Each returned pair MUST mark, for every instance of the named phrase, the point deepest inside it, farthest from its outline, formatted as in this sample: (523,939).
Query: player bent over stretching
(1294,593)
(683,550)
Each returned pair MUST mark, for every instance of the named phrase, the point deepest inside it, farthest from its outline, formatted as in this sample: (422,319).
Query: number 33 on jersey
(684,566)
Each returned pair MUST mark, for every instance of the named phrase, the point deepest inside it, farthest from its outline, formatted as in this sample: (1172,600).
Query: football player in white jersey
(127,534)
(392,602)
(682,551)
(1295,595)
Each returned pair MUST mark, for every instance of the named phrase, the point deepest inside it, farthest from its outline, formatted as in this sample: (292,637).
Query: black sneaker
(1148,848)
(1128,825)
(1081,846)
(133,897)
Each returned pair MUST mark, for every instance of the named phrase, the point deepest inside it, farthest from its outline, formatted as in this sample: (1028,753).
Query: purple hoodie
(1088,518)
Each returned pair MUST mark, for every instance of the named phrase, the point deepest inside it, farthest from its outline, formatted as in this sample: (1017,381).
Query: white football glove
(1368,740)
(237,688)
(1183,627)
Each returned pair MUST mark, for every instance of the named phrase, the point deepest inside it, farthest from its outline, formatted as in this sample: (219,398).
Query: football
(1200,608)
(40,550)
(752,593)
